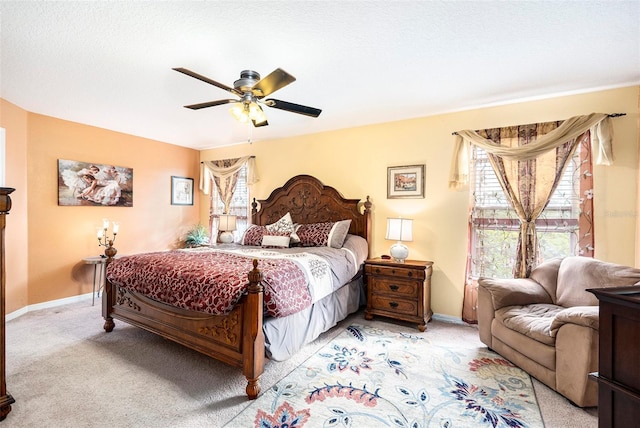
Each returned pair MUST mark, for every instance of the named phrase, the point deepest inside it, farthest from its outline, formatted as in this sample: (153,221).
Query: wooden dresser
(618,374)
(399,290)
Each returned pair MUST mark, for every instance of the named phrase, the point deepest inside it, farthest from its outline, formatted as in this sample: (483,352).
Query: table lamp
(399,229)
(226,225)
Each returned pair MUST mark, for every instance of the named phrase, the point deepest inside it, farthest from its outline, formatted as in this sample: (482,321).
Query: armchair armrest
(517,291)
(587,316)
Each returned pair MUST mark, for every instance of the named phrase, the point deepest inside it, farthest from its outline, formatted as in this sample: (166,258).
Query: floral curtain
(528,184)
(224,174)
(529,174)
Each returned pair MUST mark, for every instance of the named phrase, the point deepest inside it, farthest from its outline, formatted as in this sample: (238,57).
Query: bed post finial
(367,206)
(255,278)
(367,225)
(254,211)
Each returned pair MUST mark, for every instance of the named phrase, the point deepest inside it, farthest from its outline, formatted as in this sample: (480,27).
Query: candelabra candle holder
(105,241)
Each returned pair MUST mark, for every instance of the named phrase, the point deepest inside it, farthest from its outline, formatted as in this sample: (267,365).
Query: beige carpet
(65,371)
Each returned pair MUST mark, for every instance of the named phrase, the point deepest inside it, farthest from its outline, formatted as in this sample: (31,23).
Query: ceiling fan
(251,90)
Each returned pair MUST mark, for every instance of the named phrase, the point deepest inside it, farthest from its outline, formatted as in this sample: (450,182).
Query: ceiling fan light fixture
(239,113)
(246,112)
(256,113)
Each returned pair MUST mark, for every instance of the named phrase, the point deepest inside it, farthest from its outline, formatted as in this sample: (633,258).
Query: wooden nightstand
(399,290)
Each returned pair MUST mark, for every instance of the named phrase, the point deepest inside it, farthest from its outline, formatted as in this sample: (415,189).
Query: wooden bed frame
(237,339)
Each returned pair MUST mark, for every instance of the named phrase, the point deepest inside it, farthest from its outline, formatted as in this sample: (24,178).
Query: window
(495,225)
(240,206)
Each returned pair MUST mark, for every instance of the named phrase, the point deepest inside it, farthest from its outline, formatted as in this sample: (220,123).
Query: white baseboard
(47,305)
(82,297)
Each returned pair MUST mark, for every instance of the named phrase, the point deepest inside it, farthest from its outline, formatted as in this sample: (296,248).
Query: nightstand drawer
(394,271)
(391,286)
(394,306)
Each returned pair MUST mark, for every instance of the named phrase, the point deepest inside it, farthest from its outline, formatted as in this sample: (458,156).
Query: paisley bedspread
(213,281)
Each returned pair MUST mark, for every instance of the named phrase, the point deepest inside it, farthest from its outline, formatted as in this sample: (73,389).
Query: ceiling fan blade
(209,81)
(210,104)
(294,108)
(277,79)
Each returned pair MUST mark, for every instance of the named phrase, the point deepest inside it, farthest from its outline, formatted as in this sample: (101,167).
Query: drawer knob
(393,304)
(393,287)
(409,273)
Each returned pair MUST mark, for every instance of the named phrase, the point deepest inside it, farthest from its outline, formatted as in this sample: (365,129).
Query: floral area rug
(367,377)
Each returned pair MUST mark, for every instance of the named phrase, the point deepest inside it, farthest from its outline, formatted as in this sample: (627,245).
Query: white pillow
(275,241)
(284,225)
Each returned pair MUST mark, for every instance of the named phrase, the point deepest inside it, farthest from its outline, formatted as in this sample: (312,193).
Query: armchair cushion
(587,316)
(577,274)
(518,291)
(533,320)
(546,274)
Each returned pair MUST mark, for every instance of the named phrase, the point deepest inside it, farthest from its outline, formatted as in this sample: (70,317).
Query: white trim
(82,297)
(47,305)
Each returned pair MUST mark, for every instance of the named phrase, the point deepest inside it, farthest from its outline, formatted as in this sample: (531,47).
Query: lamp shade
(244,112)
(226,222)
(399,229)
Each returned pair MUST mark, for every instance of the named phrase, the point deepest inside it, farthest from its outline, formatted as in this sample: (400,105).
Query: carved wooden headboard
(310,201)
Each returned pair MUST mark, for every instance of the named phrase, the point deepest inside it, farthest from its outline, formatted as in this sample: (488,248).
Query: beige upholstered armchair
(547,324)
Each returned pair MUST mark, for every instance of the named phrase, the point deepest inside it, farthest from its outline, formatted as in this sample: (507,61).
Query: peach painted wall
(355,161)
(14,120)
(55,268)
(58,237)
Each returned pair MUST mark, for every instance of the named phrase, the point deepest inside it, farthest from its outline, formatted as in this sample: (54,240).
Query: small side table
(399,290)
(99,264)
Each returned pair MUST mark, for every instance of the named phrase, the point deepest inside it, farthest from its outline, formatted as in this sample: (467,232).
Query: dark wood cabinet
(399,290)
(618,374)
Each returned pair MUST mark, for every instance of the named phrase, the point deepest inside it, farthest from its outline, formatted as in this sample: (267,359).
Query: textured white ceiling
(109,64)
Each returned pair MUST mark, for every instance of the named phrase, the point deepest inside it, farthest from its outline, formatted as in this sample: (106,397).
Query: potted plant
(197,236)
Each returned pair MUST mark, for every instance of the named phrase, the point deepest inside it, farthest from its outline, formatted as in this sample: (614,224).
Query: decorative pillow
(339,233)
(295,239)
(276,241)
(260,236)
(327,234)
(284,225)
(253,235)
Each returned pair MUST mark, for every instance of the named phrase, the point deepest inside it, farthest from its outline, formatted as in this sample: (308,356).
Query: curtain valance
(601,137)
(211,169)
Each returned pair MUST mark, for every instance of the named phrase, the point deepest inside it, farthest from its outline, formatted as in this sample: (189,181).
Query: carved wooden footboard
(236,339)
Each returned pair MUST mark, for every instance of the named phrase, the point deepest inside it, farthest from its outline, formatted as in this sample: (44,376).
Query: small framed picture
(405,181)
(181,191)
